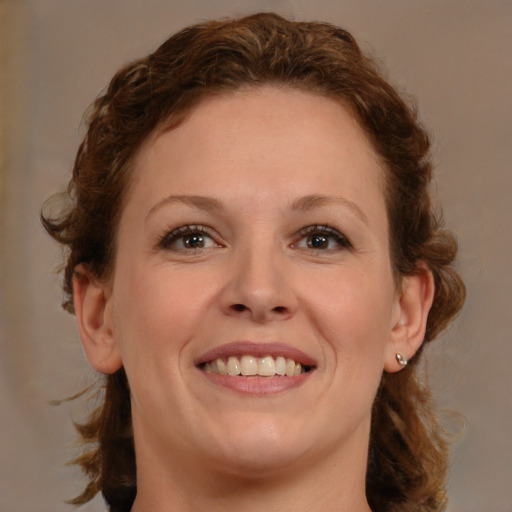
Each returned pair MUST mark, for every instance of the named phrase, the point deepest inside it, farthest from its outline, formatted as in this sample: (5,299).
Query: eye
(188,238)
(322,238)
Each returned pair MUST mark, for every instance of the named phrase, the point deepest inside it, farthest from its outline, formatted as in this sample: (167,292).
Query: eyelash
(323,231)
(181,233)
(327,232)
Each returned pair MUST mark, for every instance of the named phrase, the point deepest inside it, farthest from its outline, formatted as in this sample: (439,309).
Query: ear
(93,310)
(410,318)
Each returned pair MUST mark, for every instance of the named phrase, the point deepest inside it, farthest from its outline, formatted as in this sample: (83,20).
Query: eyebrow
(312,201)
(303,204)
(202,202)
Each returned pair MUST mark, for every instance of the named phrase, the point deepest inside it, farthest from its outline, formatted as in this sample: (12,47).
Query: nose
(260,287)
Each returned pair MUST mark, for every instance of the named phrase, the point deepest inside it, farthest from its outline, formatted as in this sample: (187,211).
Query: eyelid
(327,230)
(171,236)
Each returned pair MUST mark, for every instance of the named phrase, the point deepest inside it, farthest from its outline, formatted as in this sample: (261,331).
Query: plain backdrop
(57,55)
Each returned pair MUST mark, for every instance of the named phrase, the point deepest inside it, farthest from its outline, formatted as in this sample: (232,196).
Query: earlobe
(94,319)
(408,331)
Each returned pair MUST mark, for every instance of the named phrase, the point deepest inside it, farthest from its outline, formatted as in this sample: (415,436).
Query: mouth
(249,365)
(256,368)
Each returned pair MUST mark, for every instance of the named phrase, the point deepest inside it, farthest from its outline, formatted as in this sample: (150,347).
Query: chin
(260,448)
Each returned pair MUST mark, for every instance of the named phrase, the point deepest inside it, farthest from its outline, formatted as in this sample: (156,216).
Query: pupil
(194,241)
(318,241)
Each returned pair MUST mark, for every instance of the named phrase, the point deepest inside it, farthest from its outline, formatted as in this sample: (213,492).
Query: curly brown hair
(408,451)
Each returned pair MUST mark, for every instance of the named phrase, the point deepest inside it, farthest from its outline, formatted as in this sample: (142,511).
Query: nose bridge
(259,286)
(261,272)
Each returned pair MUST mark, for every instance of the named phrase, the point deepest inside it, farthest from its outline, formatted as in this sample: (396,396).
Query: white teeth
(290,367)
(221,365)
(280,365)
(266,367)
(249,365)
(233,366)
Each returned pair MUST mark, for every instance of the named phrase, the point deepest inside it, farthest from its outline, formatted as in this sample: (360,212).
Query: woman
(255,266)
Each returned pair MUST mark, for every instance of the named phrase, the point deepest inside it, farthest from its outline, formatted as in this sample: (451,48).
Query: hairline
(177,117)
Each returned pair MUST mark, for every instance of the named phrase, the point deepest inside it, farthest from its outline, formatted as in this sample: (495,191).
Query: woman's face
(255,233)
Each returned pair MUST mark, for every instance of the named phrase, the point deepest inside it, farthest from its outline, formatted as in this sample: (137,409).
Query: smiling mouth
(252,366)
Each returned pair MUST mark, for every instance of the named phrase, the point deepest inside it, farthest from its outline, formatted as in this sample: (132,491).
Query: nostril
(280,311)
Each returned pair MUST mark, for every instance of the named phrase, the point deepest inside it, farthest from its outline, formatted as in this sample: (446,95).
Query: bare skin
(258,225)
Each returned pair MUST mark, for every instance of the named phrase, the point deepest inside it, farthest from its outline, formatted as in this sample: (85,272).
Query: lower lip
(257,385)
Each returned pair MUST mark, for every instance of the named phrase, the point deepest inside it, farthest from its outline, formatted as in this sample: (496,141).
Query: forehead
(257,155)
(262,129)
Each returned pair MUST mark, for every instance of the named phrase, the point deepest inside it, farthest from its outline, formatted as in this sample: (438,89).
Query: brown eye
(318,242)
(322,238)
(194,241)
(188,238)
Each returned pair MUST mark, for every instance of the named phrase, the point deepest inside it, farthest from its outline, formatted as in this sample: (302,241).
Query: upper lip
(241,348)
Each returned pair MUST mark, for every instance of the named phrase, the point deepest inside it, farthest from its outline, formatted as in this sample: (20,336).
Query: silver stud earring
(402,361)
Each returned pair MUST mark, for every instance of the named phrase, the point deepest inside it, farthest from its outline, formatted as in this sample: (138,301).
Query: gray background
(57,55)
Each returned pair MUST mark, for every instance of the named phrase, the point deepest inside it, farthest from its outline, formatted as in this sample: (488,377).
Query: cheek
(158,311)
(154,320)
(350,314)
(353,313)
